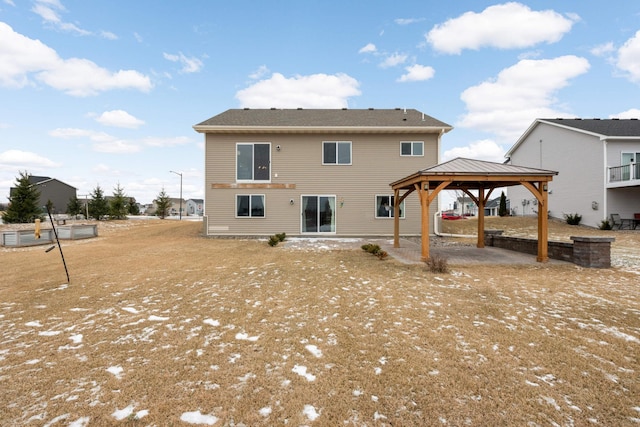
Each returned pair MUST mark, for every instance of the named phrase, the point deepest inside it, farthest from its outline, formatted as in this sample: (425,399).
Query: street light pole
(178,173)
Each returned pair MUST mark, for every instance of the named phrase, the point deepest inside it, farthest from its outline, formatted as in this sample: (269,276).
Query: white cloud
(504,26)
(484,149)
(259,73)
(10,2)
(312,91)
(21,56)
(508,104)
(189,65)
(68,133)
(48,11)
(629,58)
(119,118)
(632,113)
(393,60)
(166,142)
(407,21)
(603,49)
(369,48)
(417,73)
(108,35)
(116,147)
(25,160)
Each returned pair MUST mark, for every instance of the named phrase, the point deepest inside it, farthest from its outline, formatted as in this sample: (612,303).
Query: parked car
(450,215)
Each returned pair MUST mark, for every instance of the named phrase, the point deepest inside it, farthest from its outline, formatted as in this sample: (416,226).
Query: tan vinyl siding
(376,162)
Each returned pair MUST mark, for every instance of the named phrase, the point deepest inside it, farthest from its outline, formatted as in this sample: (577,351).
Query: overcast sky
(106,92)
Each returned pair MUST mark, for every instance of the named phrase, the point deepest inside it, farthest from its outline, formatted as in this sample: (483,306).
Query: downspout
(605,207)
(437,232)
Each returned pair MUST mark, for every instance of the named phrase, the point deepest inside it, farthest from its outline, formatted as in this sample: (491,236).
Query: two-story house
(52,190)
(598,165)
(314,171)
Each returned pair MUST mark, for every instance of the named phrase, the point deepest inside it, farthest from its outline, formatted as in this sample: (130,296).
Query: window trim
(253,144)
(412,150)
(390,196)
(250,196)
(337,163)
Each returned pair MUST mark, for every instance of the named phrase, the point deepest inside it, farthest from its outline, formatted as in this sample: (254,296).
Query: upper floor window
(336,153)
(412,148)
(253,161)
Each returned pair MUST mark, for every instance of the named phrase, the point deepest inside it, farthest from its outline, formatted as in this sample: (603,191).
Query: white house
(597,164)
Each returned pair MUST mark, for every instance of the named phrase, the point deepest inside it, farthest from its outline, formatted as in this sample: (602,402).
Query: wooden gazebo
(469,175)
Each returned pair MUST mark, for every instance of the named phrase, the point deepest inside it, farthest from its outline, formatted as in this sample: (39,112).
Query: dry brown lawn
(160,326)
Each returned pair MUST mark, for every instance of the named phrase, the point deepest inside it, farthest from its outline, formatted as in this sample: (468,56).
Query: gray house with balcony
(598,164)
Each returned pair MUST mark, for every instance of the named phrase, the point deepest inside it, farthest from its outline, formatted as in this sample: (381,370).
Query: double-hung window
(250,205)
(253,161)
(385,207)
(336,153)
(412,148)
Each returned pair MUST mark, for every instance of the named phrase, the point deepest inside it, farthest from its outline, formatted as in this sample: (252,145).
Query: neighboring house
(492,208)
(54,190)
(598,165)
(465,206)
(174,207)
(314,172)
(195,207)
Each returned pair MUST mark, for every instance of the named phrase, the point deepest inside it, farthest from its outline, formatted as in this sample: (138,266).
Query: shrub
(605,225)
(437,264)
(573,219)
(374,250)
(281,236)
(273,241)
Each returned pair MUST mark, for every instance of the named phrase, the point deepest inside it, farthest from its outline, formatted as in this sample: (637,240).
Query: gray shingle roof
(604,127)
(323,118)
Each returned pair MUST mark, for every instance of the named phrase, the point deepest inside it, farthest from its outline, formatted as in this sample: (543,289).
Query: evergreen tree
(502,208)
(23,202)
(118,204)
(49,207)
(98,205)
(134,209)
(163,203)
(74,207)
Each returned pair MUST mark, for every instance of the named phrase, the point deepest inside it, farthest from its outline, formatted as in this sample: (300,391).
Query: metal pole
(179,173)
(59,247)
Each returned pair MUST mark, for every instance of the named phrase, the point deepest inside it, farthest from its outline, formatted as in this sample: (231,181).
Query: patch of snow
(80,422)
(310,412)
(49,333)
(35,324)
(121,414)
(77,339)
(211,322)
(266,411)
(198,418)
(130,310)
(245,337)
(158,318)
(314,350)
(116,371)
(302,371)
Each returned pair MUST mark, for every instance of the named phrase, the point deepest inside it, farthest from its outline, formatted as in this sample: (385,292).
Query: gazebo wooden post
(424,207)
(396,218)
(480,217)
(543,223)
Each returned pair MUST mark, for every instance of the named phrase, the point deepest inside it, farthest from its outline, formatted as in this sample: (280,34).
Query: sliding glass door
(318,214)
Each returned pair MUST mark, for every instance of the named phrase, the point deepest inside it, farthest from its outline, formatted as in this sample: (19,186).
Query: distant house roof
(602,128)
(306,120)
(39,180)
(196,200)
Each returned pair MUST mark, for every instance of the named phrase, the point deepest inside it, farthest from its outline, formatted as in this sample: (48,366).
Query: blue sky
(106,92)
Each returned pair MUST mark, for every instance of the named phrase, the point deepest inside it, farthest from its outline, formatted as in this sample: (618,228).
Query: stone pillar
(592,252)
